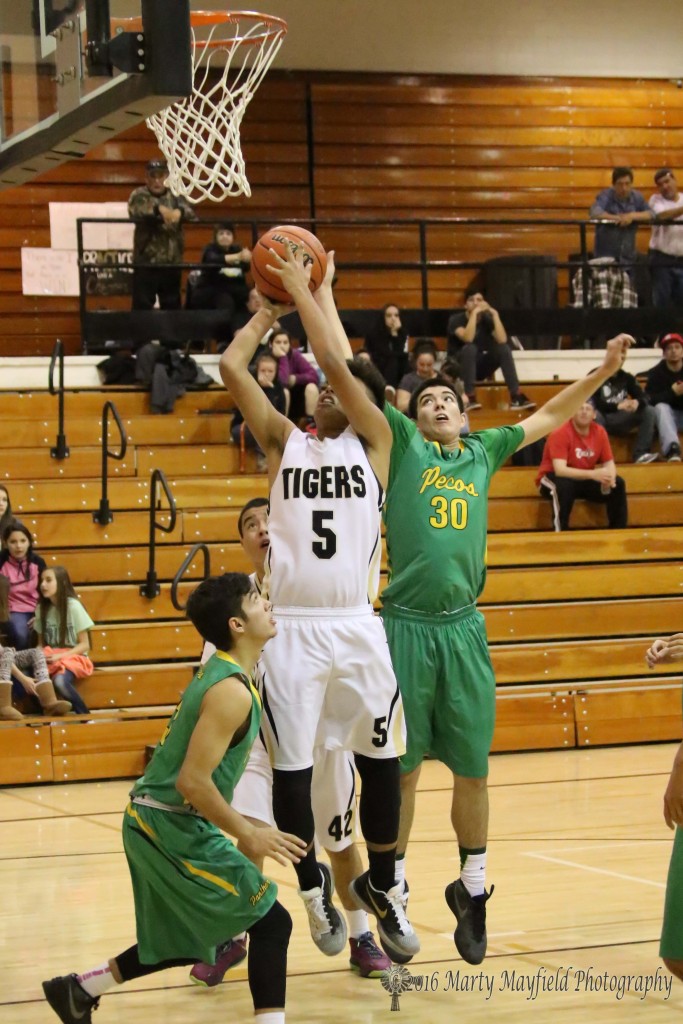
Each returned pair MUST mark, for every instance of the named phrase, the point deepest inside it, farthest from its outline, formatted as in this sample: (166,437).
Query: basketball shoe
(367,958)
(228,955)
(71,1003)
(397,934)
(397,957)
(328,928)
(470,911)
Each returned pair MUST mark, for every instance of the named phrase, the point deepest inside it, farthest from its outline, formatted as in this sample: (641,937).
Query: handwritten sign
(49,272)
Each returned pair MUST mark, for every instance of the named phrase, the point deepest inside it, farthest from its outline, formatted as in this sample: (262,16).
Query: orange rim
(204,19)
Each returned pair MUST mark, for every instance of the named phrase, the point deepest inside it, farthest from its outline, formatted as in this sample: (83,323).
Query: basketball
(276,239)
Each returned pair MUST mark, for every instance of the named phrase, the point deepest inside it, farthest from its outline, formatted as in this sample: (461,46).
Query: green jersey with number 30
(436,515)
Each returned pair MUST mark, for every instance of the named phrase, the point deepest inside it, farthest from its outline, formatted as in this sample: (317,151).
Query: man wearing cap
(666,243)
(158,239)
(665,391)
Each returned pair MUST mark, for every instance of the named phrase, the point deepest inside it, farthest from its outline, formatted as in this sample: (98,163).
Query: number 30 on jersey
(448,512)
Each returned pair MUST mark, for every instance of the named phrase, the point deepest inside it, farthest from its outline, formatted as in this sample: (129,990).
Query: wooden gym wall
(348,146)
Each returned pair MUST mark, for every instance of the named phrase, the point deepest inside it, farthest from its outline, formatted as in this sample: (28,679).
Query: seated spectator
(387,344)
(63,626)
(664,388)
(578,463)
(13,680)
(450,371)
(296,375)
(223,285)
(6,516)
(243,316)
(479,342)
(423,360)
(622,406)
(265,372)
(22,567)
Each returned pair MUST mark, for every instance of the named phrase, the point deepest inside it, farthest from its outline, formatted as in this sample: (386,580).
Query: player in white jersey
(333,793)
(329,683)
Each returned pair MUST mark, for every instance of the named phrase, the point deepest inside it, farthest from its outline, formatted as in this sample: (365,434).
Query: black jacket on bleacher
(618,387)
(659,381)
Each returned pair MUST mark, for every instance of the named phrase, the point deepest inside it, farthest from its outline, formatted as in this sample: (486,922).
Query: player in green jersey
(663,651)
(192,886)
(436,522)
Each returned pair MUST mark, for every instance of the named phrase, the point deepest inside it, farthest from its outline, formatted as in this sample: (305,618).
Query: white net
(200,135)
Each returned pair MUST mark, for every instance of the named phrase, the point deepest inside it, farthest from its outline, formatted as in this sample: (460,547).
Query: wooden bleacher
(569,615)
(356,145)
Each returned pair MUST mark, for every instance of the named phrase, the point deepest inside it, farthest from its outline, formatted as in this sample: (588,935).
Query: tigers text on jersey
(324,524)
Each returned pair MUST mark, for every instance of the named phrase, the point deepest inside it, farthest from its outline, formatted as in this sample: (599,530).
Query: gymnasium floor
(578,853)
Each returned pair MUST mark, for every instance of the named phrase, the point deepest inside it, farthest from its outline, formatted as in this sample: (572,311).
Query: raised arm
(325,301)
(270,428)
(364,416)
(563,406)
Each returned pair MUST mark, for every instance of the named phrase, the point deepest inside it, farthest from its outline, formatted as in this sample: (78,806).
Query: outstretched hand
(278,309)
(665,649)
(270,842)
(616,350)
(294,276)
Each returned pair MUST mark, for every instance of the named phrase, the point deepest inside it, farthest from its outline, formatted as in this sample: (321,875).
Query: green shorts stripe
(448,688)
(192,887)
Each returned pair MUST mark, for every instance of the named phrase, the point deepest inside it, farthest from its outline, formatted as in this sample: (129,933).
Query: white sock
(400,871)
(272,1017)
(473,873)
(358,923)
(98,980)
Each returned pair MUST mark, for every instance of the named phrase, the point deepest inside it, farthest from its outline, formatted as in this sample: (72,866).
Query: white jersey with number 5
(324,524)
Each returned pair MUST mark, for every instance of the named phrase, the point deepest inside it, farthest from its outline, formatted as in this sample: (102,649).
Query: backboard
(67,85)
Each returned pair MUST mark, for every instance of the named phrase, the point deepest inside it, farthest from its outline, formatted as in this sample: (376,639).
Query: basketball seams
(303,240)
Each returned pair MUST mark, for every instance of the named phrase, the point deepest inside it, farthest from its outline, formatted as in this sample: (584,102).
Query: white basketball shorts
(333,795)
(327,682)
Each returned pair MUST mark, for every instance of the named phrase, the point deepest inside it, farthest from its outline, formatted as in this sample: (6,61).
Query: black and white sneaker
(520,401)
(673,453)
(397,934)
(470,911)
(645,458)
(71,1003)
(397,957)
(328,927)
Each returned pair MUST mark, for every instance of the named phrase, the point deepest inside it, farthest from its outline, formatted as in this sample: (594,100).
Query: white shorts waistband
(294,612)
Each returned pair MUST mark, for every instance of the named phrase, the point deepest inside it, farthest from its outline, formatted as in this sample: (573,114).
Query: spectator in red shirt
(578,463)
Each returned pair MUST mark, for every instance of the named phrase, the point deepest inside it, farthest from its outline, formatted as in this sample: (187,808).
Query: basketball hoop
(200,134)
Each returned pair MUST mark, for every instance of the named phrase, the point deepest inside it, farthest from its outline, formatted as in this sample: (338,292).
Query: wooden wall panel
(382,147)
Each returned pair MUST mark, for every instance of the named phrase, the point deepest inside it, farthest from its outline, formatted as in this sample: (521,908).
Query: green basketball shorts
(671,943)
(193,889)
(444,671)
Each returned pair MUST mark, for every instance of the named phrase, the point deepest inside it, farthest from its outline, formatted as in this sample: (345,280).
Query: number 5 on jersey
(326,547)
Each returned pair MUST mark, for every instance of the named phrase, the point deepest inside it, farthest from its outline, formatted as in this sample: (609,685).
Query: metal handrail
(183,569)
(150,588)
(60,450)
(104,514)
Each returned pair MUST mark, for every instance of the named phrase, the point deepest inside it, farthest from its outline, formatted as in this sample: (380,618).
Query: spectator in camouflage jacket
(159,218)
